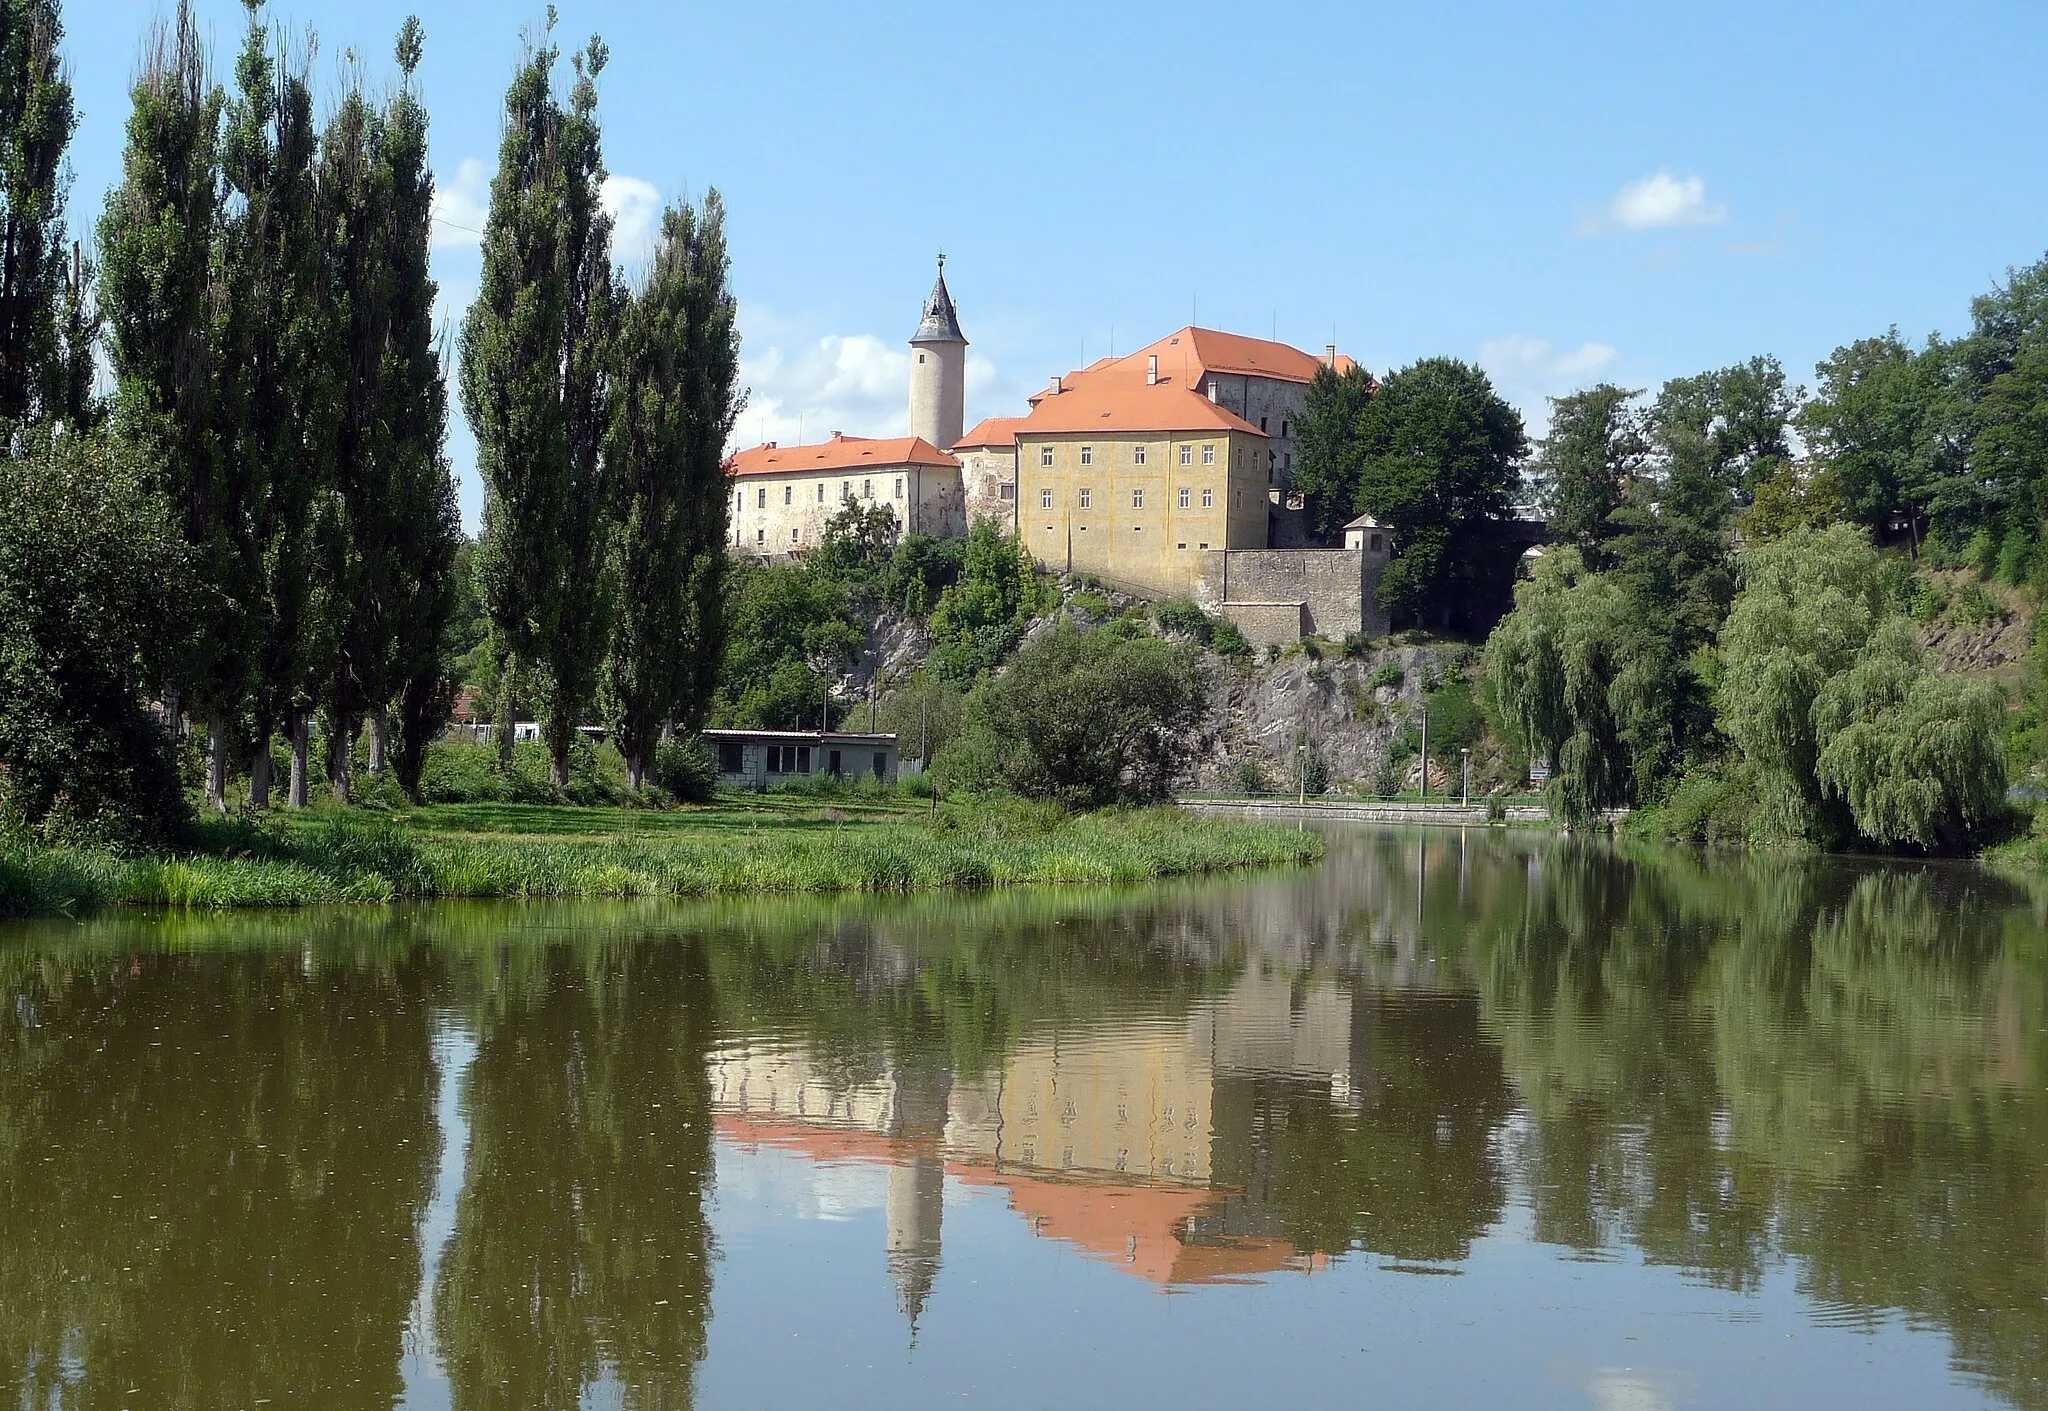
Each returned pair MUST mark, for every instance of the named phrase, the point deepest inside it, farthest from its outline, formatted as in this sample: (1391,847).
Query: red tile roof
(840,453)
(993,431)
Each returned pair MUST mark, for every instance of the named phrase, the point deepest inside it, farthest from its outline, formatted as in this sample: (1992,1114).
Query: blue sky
(1564,193)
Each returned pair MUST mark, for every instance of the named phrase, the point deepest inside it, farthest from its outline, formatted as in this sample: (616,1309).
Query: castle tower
(938,370)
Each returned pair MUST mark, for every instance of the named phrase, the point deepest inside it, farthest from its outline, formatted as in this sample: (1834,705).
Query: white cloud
(462,206)
(804,389)
(1530,371)
(1659,201)
(635,208)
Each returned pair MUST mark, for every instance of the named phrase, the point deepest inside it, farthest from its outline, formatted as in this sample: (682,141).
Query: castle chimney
(1056,387)
(1331,349)
(1152,371)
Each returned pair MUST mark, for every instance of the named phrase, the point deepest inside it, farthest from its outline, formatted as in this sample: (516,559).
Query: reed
(356,857)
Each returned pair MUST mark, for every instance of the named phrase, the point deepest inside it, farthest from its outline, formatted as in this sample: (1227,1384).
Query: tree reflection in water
(217,1138)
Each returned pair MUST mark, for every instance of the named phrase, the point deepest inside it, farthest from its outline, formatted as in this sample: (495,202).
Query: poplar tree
(46,327)
(156,238)
(276,404)
(676,362)
(511,346)
(586,594)
(415,400)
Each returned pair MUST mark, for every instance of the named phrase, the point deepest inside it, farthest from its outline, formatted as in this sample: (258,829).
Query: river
(1456,1119)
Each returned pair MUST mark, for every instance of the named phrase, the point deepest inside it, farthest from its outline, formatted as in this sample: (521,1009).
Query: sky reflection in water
(1454,1120)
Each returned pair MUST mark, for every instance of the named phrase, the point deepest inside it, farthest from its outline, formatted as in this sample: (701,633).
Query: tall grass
(340,857)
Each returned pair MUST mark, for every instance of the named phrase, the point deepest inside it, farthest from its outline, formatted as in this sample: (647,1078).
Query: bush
(1977,608)
(685,768)
(1092,605)
(2016,558)
(1386,674)
(1081,718)
(1386,779)
(1928,601)
(1186,618)
(1251,776)
(1227,640)
(1713,803)
(1314,770)
(1981,553)
(1356,644)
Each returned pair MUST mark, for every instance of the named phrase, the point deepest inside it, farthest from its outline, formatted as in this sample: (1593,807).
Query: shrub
(1356,644)
(1386,779)
(1928,601)
(1981,553)
(685,768)
(1091,605)
(1977,608)
(1251,776)
(1386,674)
(1186,618)
(1314,770)
(1227,640)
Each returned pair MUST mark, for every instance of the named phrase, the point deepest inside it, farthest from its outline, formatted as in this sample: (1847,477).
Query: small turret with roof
(938,369)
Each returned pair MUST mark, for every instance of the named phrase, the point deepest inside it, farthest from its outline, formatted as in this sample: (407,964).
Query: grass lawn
(742,845)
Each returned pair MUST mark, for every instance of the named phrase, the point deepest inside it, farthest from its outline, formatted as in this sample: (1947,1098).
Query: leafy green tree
(276,406)
(1083,718)
(1871,425)
(511,382)
(1809,604)
(156,241)
(924,714)
(586,594)
(46,329)
(1439,456)
(675,404)
(91,576)
(1595,448)
(1918,758)
(426,583)
(787,632)
(856,544)
(1326,469)
(981,618)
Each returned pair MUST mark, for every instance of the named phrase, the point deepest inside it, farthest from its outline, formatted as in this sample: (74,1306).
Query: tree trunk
(340,764)
(508,680)
(301,734)
(558,756)
(259,775)
(171,711)
(380,740)
(636,771)
(217,765)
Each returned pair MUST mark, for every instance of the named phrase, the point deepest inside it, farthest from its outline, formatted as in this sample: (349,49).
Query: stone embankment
(1413,812)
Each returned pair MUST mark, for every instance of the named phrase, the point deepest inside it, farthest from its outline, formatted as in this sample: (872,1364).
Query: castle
(1166,473)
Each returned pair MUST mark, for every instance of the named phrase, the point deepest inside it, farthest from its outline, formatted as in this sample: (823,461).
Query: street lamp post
(1465,759)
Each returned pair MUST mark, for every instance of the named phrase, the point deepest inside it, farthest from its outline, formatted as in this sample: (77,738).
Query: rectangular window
(793,534)
(1201,546)
(760,536)
(787,492)
(1208,455)
(739,499)
(1262,426)
(803,759)
(1180,546)
(846,489)
(1237,496)
(1376,541)
(867,489)
(821,492)
(881,764)
(1045,499)
(899,487)
(761,498)
(1045,455)
(1087,455)
(1285,430)
(920,357)
(1183,497)
(1087,496)
(731,758)
(1187,455)
(1208,498)
(1006,491)
(1137,455)
(1137,499)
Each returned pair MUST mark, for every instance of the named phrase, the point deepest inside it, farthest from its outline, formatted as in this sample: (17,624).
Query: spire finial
(942,261)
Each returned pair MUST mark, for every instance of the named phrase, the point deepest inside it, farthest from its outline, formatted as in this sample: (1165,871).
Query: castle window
(1087,455)
(846,489)
(1262,426)
(1045,455)
(1286,430)
(739,499)
(760,536)
(1044,498)
(821,492)
(1238,497)
(920,357)
(795,534)
(899,487)
(1376,542)
(867,489)
(761,498)
(1137,455)
(1288,463)
(1187,455)
(1087,498)
(1208,498)
(1180,546)
(1183,497)
(787,492)
(1138,499)
(1208,455)
(1201,546)
(1006,491)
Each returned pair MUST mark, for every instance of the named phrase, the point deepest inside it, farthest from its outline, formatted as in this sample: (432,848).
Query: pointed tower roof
(941,320)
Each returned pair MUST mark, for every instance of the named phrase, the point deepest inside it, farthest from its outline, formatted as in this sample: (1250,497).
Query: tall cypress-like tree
(585,597)
(676,362)
(511,383)
(46,329)
(156,245)
(415,402)
(276,404)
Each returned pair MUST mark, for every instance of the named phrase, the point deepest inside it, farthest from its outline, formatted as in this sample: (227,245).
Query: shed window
(732,758)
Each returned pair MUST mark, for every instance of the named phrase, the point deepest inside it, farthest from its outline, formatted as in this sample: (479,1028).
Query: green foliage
(1326,468)
(1455,720)
(91,576)
(1929,601)
(786,630)
(979,620)
(1092,604)
(1834,708)
(1312,771)
(1084,718)
(1386,780)
(1388,674)
(1710,803)
(1184,618)
(675,365)
(685,768)
(924,714)
(1596,446)
(1227,639)
(856,544)
(1977,608)
(1251,777)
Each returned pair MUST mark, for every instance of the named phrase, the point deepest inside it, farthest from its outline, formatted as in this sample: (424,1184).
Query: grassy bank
(737,848)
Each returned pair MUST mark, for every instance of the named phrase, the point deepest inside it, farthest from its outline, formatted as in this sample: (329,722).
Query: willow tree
(676,363)
(156,241)
(46,327)
(511,384)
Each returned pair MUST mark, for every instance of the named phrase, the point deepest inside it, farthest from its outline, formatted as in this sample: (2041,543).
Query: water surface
(1452,1120)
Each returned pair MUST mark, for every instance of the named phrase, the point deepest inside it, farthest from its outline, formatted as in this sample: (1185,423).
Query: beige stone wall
(938,392)
(988,478)
(1272,405)
(1126,509)
(1328,592)
(776,515)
